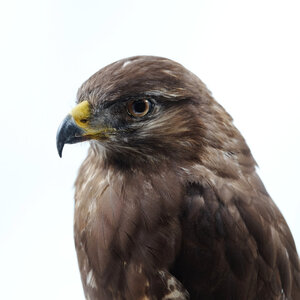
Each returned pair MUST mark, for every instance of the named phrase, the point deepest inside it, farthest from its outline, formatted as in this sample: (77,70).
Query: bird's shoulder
(235,236)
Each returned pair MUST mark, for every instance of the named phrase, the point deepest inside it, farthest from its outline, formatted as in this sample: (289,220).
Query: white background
(247,52)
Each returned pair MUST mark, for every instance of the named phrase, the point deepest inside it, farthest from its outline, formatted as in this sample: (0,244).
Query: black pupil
(139,106)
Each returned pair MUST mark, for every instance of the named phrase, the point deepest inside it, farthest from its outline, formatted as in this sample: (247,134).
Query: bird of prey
(168,204)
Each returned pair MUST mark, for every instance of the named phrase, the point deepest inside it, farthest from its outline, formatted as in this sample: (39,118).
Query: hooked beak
(68,133)
(76,128)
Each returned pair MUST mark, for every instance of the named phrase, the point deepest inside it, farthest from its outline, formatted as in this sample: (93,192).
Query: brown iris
(138,108)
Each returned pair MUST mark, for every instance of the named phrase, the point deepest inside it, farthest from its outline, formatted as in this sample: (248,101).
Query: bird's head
(143,110)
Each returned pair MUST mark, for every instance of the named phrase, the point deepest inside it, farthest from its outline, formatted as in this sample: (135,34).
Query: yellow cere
(81,114)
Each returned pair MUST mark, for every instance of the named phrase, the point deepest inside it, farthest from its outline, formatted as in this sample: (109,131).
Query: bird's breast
(124,225)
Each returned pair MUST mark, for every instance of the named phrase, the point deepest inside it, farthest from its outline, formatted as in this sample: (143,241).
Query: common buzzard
(168,204)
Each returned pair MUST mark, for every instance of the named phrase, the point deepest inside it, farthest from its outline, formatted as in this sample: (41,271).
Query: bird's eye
(138,108)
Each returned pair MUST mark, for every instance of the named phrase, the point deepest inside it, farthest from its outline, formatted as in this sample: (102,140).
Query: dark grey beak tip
(62,134)
(68,133)
(60,147)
